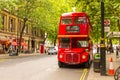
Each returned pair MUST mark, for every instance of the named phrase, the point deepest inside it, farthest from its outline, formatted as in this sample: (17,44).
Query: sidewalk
(97,76)
(6,56)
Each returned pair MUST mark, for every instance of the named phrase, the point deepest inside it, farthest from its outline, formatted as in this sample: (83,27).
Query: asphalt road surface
(43,67)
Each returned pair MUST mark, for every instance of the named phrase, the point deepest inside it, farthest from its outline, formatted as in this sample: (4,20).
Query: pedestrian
(107,49)
(98,49)
(117,54)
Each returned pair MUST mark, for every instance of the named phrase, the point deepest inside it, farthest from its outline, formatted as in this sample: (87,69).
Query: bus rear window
(80,20)
(66,21)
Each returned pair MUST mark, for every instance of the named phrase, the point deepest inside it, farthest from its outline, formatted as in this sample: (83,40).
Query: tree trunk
(118,25)
(55,40)
(21,33)
(118,28)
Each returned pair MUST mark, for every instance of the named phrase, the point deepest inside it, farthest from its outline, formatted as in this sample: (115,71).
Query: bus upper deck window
(80,20)
(66,21)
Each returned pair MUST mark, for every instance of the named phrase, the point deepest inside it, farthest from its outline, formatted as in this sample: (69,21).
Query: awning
(14,43)
(3,40)
(23,44)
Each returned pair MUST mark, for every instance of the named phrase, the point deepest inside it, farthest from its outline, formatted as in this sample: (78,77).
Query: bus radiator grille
(75,58)
(72,58)
(68,58)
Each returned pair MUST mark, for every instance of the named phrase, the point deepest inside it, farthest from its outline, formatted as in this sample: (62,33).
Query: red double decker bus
(74,39)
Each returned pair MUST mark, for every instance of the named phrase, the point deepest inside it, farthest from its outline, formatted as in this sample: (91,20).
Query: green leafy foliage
(45,13)
(93,9)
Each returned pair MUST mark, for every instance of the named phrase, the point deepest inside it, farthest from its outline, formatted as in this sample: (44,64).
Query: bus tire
(87,64)
(60,64)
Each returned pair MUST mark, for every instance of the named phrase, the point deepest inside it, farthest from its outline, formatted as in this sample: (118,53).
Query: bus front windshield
(65,43)
(79,44)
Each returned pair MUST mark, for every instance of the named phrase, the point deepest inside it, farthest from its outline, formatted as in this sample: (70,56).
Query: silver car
(52,50)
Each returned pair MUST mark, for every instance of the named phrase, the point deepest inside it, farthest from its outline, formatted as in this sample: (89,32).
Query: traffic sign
(107,29)
(106,22)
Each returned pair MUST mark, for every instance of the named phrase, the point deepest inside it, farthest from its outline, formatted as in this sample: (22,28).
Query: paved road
(37,68)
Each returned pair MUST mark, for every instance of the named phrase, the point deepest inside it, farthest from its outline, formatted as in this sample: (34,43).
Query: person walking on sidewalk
(117,54)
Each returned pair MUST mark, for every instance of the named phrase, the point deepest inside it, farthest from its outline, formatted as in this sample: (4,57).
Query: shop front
(4,44)
(15,44)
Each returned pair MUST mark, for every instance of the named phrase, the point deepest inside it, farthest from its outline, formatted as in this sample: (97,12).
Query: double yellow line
(84,74)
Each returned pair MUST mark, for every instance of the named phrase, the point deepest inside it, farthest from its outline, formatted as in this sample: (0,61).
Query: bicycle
(117,74)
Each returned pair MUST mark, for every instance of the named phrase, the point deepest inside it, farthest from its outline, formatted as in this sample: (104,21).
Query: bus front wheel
(60,64)
(87,64)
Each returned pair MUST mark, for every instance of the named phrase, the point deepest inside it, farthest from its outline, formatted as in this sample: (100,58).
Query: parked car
(52,50)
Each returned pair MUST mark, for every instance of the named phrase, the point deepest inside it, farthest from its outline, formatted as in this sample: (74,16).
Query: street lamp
(102,44)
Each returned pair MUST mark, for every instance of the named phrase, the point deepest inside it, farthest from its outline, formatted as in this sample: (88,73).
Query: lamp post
(102,44)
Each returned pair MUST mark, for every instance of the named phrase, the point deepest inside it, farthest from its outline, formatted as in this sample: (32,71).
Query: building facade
(10,28)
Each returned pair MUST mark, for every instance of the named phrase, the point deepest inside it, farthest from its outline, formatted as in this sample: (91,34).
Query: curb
(6,56)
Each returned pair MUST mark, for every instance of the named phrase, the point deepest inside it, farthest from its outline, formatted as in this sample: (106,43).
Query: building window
(37,33)
(20,25)
(2,21)
(11,25)
(27,29)
(33,31)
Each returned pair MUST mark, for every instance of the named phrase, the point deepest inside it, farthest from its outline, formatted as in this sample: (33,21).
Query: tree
(58,7)
(92,8)
(25,7)
(45,14)
(29,10)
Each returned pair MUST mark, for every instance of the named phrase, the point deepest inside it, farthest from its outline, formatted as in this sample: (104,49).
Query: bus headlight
(61,56)
(83,57)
